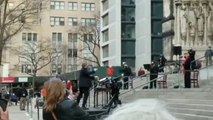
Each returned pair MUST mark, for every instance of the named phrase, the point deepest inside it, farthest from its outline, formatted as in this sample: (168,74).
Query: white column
(205,37)
(177,33)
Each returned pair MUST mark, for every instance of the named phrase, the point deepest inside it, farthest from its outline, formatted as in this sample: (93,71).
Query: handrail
(164,74)
(140,76)
(143,84)
(158,78)
(195,61)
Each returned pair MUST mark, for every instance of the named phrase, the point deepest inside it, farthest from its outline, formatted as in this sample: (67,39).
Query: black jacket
(126,71)
(22,92)
(67,110)
(154,72)
(85,78)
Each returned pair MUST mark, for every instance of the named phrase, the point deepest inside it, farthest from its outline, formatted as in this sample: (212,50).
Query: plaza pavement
(16,114)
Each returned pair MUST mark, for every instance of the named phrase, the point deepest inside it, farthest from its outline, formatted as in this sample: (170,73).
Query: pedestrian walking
(23,97)
(208,56)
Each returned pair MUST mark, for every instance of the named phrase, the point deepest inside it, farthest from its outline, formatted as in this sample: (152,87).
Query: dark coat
(67,110)
(85,78)
(154,72)
(22,92)
(126,71)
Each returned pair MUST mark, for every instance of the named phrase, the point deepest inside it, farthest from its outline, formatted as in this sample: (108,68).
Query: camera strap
(54,116)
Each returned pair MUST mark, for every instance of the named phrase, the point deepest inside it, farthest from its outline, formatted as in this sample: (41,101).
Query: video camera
(110,82)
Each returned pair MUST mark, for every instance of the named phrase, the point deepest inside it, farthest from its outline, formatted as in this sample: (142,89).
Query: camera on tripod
(110,82)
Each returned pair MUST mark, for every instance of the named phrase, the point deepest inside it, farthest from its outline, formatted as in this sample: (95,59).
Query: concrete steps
(185,104)
(185,116)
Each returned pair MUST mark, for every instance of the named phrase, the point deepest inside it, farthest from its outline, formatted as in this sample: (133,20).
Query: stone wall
(192,25)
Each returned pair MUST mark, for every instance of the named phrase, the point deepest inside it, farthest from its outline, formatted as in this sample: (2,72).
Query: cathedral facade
(189,24)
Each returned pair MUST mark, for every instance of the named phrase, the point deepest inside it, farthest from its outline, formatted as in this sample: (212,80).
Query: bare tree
(16,15)
(35,55)
(89,34)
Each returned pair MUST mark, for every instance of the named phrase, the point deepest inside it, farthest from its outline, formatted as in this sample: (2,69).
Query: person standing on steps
(153,75)
(162,60)
(127,72)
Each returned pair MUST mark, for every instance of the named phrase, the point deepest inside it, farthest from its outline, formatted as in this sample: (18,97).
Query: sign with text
(8,79)
(23,79)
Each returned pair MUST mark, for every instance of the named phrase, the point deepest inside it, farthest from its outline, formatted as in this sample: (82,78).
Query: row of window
(72,21)
(72,37)
(29,37)
(27,68)
(57,37)
(73,6)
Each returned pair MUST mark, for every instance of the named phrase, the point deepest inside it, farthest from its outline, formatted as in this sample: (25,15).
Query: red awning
(8,79)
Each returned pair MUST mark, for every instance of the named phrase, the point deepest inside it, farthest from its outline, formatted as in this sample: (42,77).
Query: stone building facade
(189,24)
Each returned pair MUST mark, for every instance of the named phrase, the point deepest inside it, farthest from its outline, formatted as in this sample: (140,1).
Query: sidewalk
(16,114)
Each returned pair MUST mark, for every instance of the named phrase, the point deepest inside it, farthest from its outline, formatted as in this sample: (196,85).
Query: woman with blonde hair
(58,106)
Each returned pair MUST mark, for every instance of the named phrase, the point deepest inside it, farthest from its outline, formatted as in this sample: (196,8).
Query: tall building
(131,32)
(58,24)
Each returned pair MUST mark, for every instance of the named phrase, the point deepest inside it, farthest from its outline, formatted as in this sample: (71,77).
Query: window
(105,35)
(72,21)
(105,20)
(24,36)
(106,63)
(105,5)
(72,52)
(56,39)
(87,21)
(34,36)
(105,51)
(72,67)
(58,21)
(29,37)
(128,48)
(88,6)
(157,9)
(73,6)
(53,68)
(57,5)
(157,46)
(128,2)
(59,68)
(130,61)
(72,40)
(26,68)
(128,14)
(69,68)
(156,27)
(128,31)
(88,37)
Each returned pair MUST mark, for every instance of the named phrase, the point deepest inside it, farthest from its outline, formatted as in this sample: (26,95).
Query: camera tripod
(99,114)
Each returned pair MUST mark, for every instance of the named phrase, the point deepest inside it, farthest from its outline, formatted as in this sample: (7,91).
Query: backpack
(24,93)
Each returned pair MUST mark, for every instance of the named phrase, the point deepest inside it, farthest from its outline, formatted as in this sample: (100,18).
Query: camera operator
(115,90)
(85,82)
